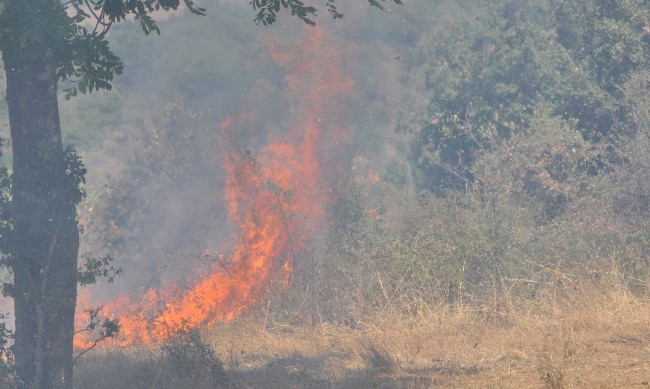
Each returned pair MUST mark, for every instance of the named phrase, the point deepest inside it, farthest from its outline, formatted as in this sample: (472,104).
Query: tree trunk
(44,242)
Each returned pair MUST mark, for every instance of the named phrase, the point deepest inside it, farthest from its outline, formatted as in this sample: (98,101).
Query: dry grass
(594,336)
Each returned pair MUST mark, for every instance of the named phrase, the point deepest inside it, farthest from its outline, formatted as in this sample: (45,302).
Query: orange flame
(275,198)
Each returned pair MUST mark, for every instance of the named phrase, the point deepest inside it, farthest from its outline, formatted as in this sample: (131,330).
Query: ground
(598,339)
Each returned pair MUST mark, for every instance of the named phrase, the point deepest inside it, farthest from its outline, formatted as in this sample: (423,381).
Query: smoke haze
(191,117)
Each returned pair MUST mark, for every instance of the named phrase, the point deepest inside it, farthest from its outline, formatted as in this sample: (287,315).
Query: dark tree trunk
(44,243)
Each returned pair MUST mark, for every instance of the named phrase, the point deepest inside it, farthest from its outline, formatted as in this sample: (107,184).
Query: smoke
(216,162)
(281,172)
(155,146)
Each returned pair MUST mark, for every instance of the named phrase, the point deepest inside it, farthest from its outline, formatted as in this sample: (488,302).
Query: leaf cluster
(105,13)
(267,10)
(75,176)
(103,327)
(93,66)
(92,268)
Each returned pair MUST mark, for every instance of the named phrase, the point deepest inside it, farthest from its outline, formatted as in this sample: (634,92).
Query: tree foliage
(488,77)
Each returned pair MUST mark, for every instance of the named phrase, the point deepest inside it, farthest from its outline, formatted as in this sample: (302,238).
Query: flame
(275,198)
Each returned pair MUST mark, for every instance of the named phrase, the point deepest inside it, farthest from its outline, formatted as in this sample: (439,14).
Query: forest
(435,194)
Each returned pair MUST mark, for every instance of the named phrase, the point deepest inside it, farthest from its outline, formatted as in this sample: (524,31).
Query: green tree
(46,43)
(491,74)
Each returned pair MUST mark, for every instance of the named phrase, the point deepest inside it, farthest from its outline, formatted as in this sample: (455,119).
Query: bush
(537,214)
(184,361)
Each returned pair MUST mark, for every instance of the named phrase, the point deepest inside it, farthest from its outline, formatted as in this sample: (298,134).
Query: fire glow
(276,197)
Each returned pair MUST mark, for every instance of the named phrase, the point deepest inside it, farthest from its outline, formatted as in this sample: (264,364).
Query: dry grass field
(587,336)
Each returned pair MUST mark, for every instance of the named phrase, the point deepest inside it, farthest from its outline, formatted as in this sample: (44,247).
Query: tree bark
(44,242)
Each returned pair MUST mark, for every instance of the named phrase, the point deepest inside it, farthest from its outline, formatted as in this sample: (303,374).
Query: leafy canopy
(488,77)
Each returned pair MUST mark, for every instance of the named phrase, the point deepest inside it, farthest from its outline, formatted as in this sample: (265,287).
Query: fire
(275,197)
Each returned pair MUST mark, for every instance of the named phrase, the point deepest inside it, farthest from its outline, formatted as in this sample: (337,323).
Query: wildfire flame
(275,198)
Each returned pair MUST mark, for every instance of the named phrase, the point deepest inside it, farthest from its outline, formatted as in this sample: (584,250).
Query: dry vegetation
(591,335)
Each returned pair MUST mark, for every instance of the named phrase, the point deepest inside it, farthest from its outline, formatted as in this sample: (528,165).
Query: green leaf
(375,3)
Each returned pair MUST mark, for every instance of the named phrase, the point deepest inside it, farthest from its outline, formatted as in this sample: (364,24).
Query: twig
(381,284)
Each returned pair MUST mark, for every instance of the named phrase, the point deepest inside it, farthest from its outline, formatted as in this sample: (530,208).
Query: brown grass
(589,336)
